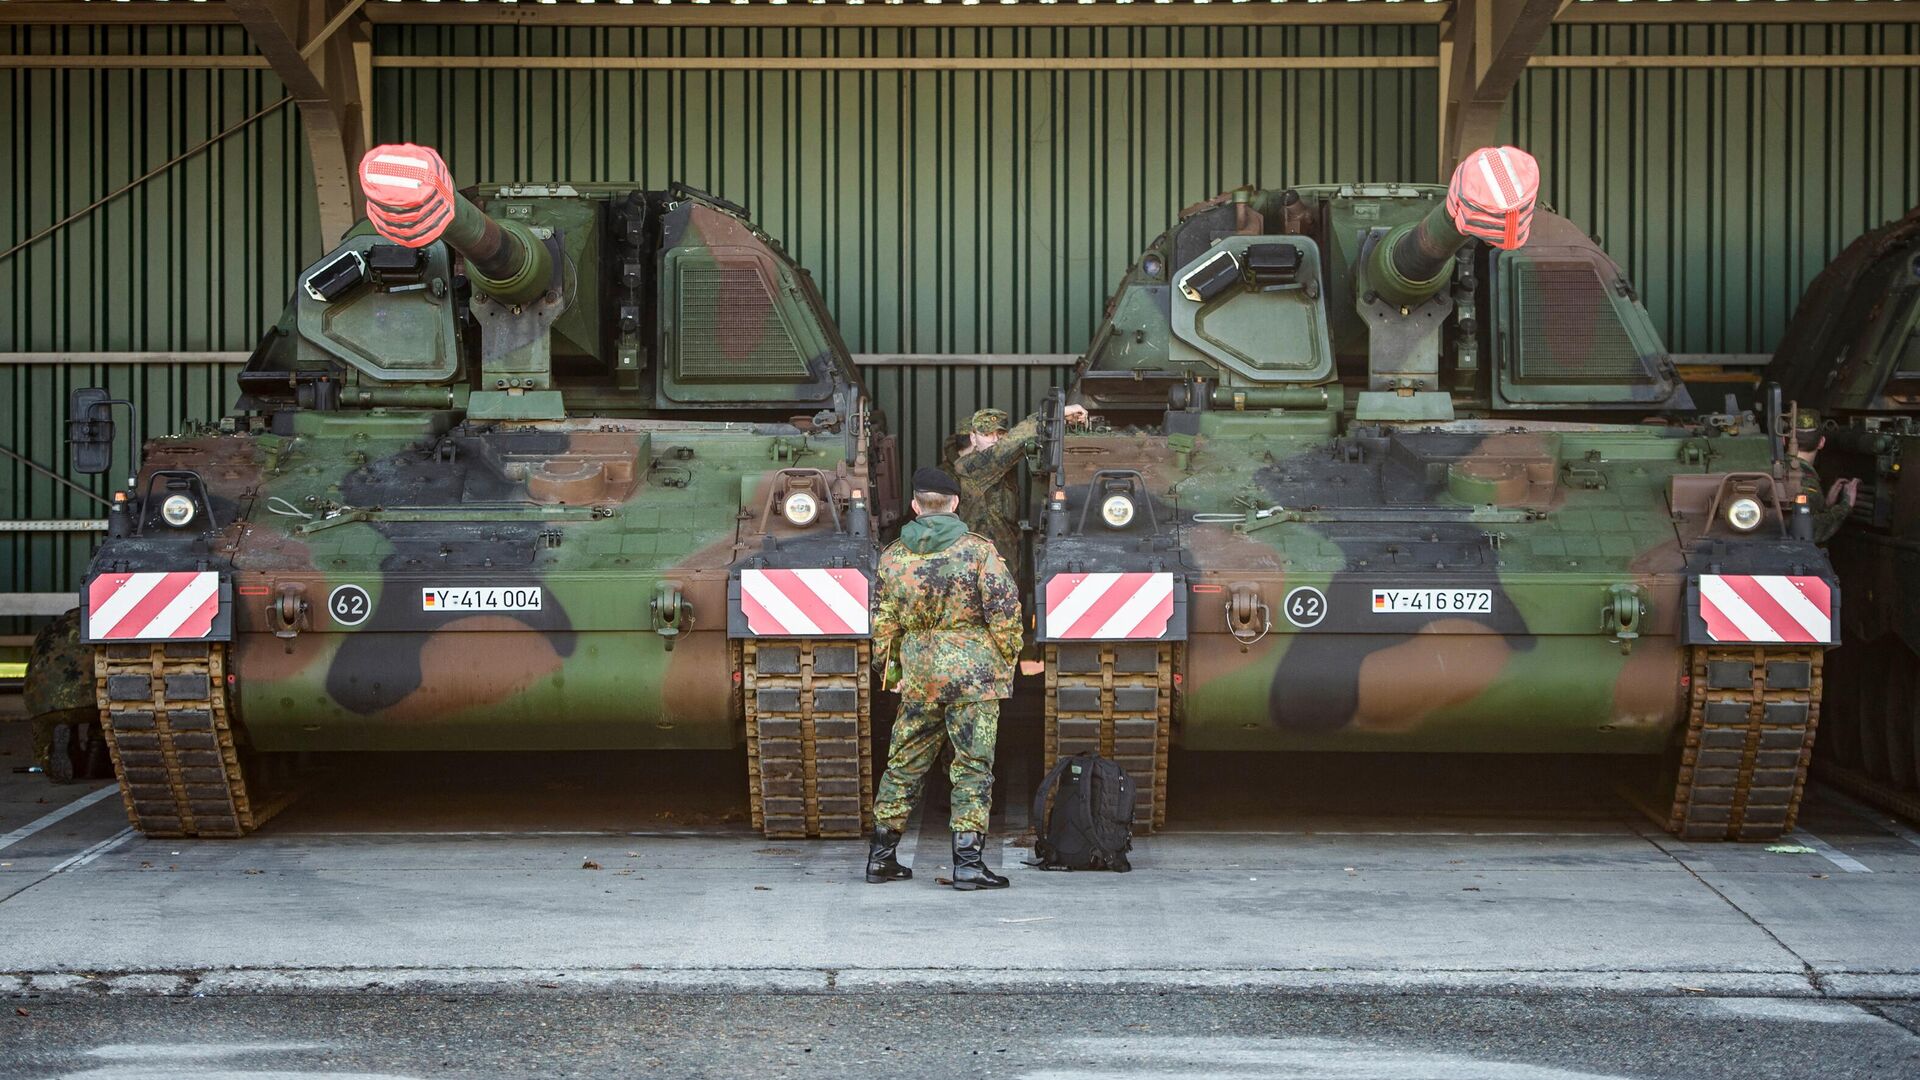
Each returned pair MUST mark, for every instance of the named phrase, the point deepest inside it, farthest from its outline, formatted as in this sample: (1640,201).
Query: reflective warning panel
(182,605)
(805,603)
(1763,609)
(1108,606)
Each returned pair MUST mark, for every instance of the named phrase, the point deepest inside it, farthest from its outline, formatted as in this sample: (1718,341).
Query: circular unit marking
(1305,606)
(349,605)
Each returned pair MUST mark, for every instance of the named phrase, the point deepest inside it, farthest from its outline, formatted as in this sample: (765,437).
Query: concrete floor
(502,876)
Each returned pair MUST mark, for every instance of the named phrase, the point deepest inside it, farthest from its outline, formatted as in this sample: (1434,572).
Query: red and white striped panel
(1766,608)
(175,606)
(1109,606)
(805,603)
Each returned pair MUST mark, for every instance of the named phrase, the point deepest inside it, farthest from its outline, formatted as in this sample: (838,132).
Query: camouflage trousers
(973,727)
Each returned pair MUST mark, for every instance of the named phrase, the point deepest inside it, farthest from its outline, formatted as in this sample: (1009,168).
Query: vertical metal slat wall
(941,211)
(201,257)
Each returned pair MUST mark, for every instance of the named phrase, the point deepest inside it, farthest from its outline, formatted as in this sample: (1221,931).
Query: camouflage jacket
(989,490)
(948,613)
(1827,519)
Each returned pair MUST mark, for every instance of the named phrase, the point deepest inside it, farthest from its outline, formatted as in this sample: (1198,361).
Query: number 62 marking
(349,605)
(1305,606)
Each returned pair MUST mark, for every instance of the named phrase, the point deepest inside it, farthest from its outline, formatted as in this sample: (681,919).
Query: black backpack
(1091,827)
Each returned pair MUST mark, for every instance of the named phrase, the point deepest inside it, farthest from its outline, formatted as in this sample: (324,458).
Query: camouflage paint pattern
(1562,480)
(972,727)
(949,617)
(352,496)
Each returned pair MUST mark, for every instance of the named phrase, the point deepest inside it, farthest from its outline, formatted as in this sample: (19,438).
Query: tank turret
(1404,303)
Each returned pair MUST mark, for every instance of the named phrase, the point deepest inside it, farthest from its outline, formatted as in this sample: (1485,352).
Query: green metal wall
(1724,191)
(941,211)
(200,258)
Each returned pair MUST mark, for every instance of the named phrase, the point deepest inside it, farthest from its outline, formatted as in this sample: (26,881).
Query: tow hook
(1621,617)
(1248,617)
(290,613)
(672,615)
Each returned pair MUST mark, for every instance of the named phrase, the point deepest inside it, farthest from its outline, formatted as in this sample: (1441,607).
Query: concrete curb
(401,981)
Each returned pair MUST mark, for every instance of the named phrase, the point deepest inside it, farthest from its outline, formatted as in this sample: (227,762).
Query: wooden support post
(1486,45)
(320,50)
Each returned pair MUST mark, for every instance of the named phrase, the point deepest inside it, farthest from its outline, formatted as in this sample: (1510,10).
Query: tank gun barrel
(411,201)
(1491,197)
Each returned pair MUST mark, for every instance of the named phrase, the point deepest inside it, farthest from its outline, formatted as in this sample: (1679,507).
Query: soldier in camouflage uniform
(947,625)
(985,455)
(1831,508)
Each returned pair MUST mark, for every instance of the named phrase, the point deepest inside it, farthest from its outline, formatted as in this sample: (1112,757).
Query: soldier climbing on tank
(984,455)
(946,623)
(1829,509)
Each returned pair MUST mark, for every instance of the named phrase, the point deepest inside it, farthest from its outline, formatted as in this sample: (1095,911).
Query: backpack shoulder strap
(1047,785)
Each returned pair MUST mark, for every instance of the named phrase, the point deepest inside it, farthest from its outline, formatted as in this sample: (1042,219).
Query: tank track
(1116,698)
(1873,792)
(163,708)
(809,712)
(1751,716)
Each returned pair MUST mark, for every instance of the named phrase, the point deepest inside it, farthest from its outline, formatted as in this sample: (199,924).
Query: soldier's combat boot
(881,864)
(970,867)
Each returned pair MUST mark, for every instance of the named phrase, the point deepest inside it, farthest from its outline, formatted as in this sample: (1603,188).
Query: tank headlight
(1117,511)
(800,509)
(1744,514)
(177,511)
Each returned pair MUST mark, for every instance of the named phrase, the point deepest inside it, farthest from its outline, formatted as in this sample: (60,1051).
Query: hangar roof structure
(324,50)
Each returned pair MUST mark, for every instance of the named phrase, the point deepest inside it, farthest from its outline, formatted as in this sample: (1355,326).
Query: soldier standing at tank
(946,623)
(986,453)
(1830,509)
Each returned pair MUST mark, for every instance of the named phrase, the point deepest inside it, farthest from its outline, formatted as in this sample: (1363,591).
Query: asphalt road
(1085,1036)
(516,915)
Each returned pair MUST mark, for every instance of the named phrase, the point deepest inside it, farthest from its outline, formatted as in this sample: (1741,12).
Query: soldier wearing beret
(947,618)
(985,454)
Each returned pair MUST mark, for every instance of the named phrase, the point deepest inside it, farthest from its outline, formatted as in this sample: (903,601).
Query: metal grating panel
(1566,329)
(728,329)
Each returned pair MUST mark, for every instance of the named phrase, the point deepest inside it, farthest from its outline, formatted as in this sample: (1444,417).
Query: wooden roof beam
(1484,50)
(918,13)
(324,56)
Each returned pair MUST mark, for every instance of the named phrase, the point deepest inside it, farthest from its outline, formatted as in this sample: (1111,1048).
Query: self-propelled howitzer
(539,467)
(1404,467)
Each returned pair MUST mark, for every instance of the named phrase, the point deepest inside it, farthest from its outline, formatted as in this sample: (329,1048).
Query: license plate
(1431,601)
(513,599)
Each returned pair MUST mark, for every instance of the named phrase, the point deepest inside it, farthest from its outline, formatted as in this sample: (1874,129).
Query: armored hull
(1849,359)
(543,468)
(1332,510)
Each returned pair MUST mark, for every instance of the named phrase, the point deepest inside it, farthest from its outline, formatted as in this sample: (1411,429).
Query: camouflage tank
(1405,467)
(1851,358)
(530,468)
